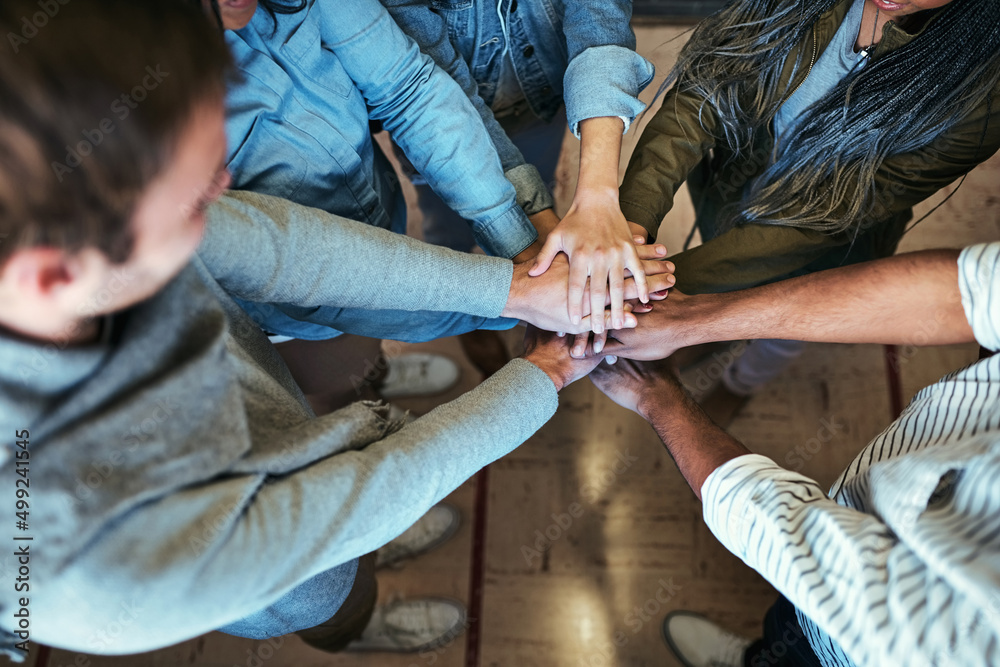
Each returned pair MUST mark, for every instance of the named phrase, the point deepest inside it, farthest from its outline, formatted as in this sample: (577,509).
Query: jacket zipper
(812,61)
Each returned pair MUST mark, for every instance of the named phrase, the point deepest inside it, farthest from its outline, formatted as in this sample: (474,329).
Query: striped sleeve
(882,601)
(978,279)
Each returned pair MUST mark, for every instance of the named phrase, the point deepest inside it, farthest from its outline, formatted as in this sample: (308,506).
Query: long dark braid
(823,176)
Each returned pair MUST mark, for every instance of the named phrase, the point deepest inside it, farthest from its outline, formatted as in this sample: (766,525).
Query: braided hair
(822,176)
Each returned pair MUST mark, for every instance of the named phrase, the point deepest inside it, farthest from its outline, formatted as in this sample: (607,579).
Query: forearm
(908,299)
(528,253)
(594,216)
(696,444)
(268,250)
(600,151)
(297,519)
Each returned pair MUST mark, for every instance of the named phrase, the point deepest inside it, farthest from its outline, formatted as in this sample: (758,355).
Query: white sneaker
(698,642)
(411,626)
(419,374)
(429,532)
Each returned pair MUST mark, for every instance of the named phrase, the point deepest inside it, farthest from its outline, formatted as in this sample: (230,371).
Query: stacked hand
(549,352)
(603,249)
(627,382)
(541,300)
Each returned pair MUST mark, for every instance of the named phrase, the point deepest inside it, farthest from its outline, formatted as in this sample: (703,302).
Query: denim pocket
(266,163)
(459,16)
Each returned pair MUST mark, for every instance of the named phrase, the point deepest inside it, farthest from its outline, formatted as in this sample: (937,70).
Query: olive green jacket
(678,146)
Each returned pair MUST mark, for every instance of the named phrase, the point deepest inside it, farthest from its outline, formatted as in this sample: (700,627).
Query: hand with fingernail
(550,352)
(542,300)
(603,249)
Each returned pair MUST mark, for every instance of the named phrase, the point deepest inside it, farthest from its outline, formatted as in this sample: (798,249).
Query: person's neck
(873,22)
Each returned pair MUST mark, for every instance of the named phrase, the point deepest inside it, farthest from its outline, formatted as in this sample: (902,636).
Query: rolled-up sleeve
(605,81)
(605,75)
(979,282)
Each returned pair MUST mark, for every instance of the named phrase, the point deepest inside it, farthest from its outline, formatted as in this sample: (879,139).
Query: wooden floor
(590,590)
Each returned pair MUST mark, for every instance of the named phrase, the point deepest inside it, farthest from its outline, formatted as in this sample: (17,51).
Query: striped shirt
(899,564)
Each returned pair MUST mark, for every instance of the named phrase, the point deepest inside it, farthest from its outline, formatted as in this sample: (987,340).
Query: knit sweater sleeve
(268,250)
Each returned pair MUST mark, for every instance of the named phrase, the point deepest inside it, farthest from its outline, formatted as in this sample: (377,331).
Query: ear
(40,272)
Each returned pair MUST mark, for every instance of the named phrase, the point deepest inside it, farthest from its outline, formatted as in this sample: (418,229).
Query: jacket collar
(893,37)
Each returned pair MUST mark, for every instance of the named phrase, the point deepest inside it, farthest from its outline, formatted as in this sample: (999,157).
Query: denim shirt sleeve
(605,74)
(432,121)
(430,31)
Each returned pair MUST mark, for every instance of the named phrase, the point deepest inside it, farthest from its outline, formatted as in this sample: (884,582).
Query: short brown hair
(93,97)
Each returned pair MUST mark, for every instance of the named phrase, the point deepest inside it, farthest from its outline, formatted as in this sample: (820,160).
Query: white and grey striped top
(899,566)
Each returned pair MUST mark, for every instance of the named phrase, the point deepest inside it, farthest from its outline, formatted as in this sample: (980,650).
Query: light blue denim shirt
(578,51)
(298,122)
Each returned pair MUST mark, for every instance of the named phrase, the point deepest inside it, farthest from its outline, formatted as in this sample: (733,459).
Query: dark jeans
(352,617)
(783,644)
(351,601)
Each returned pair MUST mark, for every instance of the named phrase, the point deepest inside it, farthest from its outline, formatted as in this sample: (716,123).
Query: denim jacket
(578,51)
(298,122)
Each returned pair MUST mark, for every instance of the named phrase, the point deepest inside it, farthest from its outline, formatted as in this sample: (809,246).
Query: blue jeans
(540,142)
(324,322)
(307,605)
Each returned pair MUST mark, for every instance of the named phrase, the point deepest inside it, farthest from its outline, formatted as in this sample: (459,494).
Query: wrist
(602,193)
(659,398)
(544,222)
(527,254)
(516,295)
(550,369)
(699,318)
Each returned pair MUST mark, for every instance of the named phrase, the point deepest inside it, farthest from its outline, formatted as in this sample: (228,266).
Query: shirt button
(370,209)
(546,90)
(528,50)
(513,6)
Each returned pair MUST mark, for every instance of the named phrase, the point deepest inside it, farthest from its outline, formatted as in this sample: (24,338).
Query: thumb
(546,255)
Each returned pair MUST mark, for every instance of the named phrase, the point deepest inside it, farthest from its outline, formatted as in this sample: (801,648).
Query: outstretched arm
(594,235)
(914,298)
(431,119)
(601,86)
(651,390)
(268,250)
(870,581)
(429,29)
